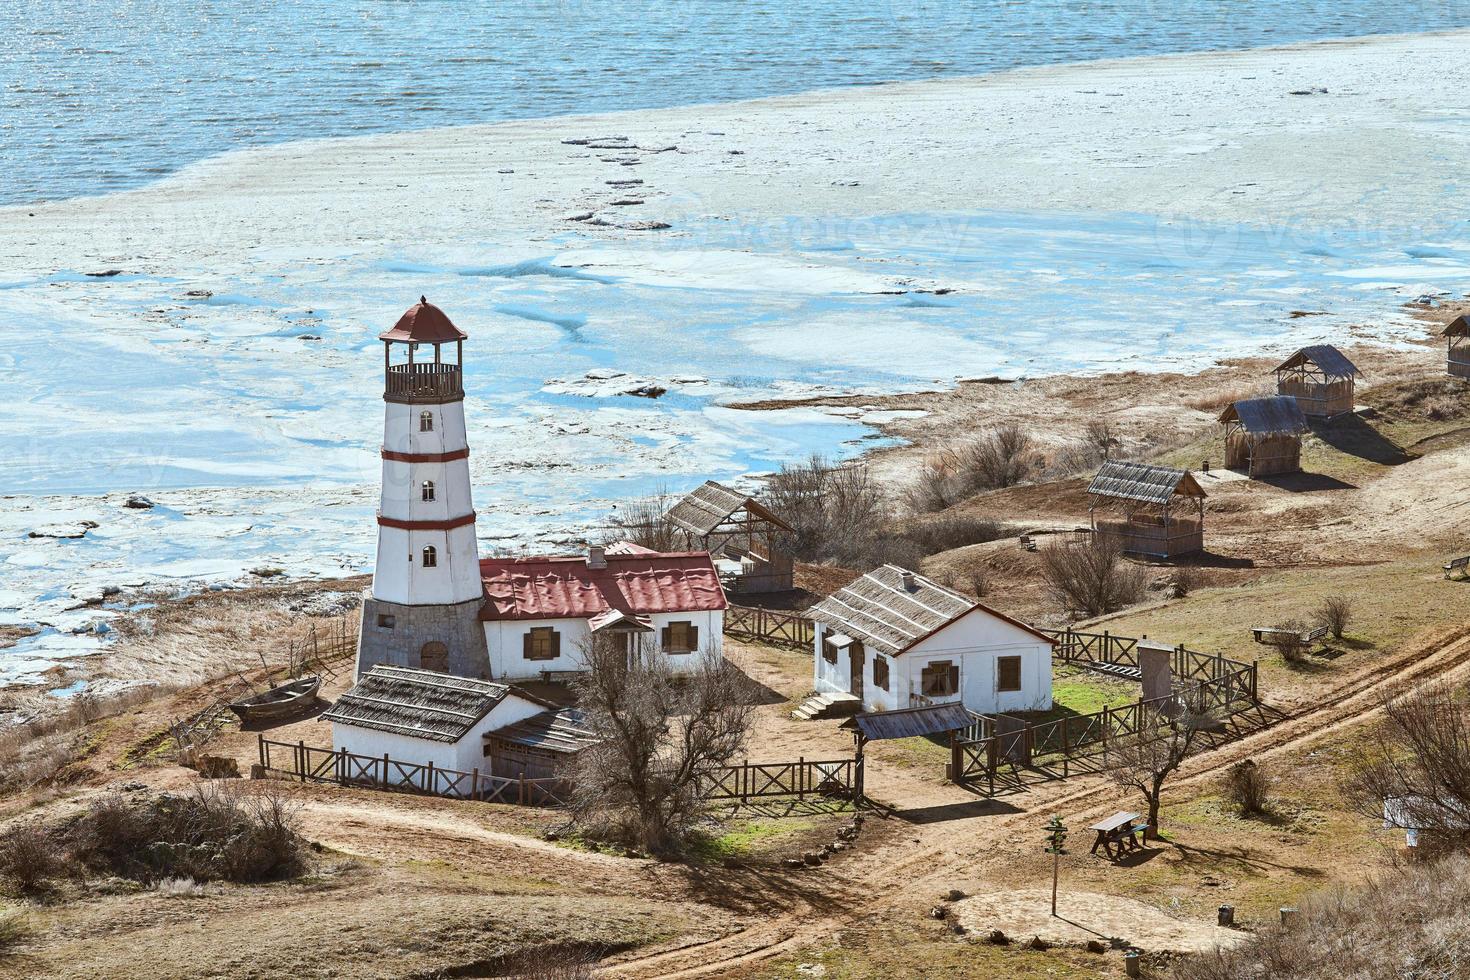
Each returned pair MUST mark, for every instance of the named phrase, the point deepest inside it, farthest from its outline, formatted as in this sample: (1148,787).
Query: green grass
(750,837)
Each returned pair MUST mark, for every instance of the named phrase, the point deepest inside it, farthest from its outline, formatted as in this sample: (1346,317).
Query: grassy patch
(743,838)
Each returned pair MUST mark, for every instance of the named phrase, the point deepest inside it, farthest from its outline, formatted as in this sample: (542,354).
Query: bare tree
(1419,764)
(640,783)
(1147,758)
(839,513)
(1002,457)
(1100,438)
(1093,577)
(1335,613)
(645,522)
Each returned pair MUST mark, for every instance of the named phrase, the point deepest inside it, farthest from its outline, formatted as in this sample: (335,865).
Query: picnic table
(1118,833)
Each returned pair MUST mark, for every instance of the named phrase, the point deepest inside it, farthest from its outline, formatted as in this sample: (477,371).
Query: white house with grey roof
(419,716)
(895,639)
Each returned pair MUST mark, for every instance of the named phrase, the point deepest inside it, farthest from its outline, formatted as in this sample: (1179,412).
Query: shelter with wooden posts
(539,747)
(1320,378)
(1263,436)
(1153,510)
(740,532)
(894,639)
(1457,334)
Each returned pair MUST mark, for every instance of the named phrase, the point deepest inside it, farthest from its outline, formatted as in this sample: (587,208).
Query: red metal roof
(567,588)
(424,323)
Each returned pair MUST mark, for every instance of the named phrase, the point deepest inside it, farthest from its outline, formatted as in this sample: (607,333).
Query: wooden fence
(842,778)
(770,626)
(1093,649)
(309,763)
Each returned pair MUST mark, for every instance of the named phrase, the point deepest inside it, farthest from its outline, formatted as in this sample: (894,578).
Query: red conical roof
(424,323)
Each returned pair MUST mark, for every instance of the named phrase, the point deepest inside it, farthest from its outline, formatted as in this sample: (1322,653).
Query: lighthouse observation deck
(415,383)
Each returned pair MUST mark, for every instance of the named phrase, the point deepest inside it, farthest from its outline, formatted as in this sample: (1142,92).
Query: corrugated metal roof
(1331,361)
(568,588)
(564,731)
(886,616)
(1277,415)
(424,323)
(705,508)
(419,703)
(908,722)
(1144,482)
(1458,327)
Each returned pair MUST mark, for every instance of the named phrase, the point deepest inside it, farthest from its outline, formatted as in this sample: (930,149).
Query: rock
(505,171)
(839,846)
(953,895)
(939,912)
(793,863)
(309,336)
(138,502)
(580,216)
(956,928)
(812,859)
(998,938)
(844,183)
(648,391)
(625,202)
(630,182)
(199,293)
(108,274)
(1096,946)
(1038,943)
(108,590)
(217,767)
(647,226)
(72,531)
(604,374)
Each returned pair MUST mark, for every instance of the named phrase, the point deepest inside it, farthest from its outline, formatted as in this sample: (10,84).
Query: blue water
(102,96)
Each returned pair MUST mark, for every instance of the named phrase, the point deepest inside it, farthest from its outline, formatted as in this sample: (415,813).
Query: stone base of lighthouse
(447,638)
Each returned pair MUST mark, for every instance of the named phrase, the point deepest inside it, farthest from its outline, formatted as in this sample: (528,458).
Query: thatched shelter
(1263,436)
(1152,510)
(739,529)
(1320,378)
(1456,333)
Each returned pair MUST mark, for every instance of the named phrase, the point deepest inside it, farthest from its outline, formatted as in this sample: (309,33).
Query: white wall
(837,678)
(399,575)
(506,642)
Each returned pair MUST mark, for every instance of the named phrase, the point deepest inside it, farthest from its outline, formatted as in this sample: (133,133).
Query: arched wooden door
(434,656)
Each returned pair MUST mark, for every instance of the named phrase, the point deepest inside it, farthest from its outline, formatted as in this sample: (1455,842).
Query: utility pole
(1056,839)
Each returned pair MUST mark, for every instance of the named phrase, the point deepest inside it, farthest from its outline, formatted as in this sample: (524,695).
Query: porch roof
(931,719)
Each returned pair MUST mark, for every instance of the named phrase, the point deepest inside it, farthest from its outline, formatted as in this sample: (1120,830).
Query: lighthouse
(423,608)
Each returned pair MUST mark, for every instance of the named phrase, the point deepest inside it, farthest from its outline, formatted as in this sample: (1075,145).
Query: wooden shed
(1152,510)
(1320,378)
(539,747)
(739,531)
(1456,333)
(1263,436)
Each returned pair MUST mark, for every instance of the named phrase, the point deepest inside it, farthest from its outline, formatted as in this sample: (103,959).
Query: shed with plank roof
(1457,335)
(1320,378)
(540,746)
(1263,436)
(1152,510)
(895,639)
(741,533)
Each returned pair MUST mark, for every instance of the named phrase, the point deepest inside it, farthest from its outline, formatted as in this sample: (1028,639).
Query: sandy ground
(1085,916)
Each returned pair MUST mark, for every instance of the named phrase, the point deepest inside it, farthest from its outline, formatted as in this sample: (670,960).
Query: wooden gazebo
(736,527)
(1457,333)
(1263,436)
(1152,510)
(1320,378)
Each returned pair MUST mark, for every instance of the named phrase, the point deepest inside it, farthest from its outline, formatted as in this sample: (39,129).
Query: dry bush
(1411,923)
(1288,641)
(949,531)
(645,522)
(211,834)
(1093,577)
(840,515)
(1002,457)
(1185,580)
(13,929)
(1248,786)
(572,962)
(639,784)
(1214,400)
(32,751)
(30,858)
(1335,613)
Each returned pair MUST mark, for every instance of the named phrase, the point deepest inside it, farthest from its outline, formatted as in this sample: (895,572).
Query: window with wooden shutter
(939,679)
(542,643)
(1008,674)
(829,652)
(880,672)
(681,637)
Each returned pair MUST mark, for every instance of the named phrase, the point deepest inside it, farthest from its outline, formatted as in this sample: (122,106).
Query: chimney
(909,583)
(596,556)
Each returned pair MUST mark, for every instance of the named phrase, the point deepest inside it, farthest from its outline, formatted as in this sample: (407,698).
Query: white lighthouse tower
(423,610)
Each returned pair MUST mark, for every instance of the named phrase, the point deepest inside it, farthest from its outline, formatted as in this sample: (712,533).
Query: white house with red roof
(435,605)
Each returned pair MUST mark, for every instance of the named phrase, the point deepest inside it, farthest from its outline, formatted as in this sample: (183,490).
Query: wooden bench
(561,676)
(1118,834)
(1028,543)
(1461,565)
(1268,634)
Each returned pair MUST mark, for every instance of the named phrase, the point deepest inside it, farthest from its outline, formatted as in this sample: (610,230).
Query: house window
(434,656)
(426,421)
(542,643)
(880,672)
(1008,674)
(680,638)
(829,652)
(431,557)
(940,679)
(386,622)
(427,491)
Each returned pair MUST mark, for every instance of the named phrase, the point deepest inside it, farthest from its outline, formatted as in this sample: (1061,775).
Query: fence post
(475,784)
(1066,750)
(260,747)
(301,758)
(801,777)
(521,789)
(1253,680)
(343,767)
(1107,646)
(429,778)
(744,780)
(385,771)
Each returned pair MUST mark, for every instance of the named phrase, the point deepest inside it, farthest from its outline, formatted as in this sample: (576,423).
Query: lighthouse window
(426,421)
(431,557)
(428,491)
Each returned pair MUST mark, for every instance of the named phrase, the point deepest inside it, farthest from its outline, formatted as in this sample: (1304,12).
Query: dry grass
(1413,923)
(1213,400)
(32,753)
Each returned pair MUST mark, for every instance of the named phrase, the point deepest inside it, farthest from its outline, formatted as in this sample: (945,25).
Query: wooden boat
(279,702)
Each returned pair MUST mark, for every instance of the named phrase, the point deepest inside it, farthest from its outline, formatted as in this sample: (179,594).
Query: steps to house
(827,706)
(1122,671)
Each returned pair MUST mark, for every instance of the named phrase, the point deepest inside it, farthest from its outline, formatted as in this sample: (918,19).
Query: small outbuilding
(1153,510)
(1320,378)
(418,717)
(539,747)
(740,532)
(1457,334)
(1263,436)
(895,639)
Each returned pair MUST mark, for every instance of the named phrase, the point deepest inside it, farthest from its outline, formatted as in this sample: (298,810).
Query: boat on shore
(285,701)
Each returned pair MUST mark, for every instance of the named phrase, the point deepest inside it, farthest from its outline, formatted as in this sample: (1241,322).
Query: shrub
(645,522)
(1248,786)
(13,928)
(30,858)
(952,531)
(1335,613)
(839,514)
(179,888)
(1184,581)
(1093,577)
(1288,640)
